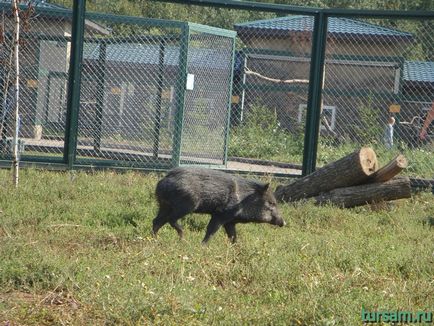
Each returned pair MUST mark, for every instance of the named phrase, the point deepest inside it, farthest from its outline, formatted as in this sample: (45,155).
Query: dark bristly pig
(228,198)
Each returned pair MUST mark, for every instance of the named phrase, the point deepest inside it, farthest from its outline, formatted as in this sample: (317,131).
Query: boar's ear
(263,187)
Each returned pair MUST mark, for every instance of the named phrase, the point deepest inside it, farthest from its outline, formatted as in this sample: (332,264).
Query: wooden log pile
(354,180)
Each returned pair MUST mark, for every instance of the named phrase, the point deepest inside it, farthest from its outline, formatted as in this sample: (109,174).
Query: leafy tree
(226,18)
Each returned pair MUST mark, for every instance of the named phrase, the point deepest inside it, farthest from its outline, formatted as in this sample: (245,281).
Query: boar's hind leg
(179,211)
(230,231)
(177,227)
(171,213)
(161,219)
(168,216)
(213,226)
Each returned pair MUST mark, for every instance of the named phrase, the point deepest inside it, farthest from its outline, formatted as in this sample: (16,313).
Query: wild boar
(228,198)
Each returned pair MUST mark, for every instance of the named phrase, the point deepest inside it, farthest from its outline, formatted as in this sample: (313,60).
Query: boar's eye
(270,205)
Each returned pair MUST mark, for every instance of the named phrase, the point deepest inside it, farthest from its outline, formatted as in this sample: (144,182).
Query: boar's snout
(278,220)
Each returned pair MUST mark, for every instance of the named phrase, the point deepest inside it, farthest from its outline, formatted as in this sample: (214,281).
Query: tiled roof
(149,54)
(37,3)
(337,27)
(419,71)
(44,4)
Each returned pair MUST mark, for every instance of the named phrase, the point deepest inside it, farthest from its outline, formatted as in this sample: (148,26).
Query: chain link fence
(43,69)
(129,95)
(272,80)
(149,90)
(379,90)
(156,93)
(372,74)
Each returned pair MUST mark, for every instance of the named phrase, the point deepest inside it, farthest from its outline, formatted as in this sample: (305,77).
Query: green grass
(76,248)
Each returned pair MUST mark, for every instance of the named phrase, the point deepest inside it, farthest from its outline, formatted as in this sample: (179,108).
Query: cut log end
(390,170)
(368,160)
(350,170)
(401,161)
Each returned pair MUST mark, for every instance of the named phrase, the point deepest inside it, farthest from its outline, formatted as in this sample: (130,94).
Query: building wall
(303,45)
(349,85)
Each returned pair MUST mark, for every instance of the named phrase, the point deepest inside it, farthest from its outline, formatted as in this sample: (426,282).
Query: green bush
(370,130)
(261,136)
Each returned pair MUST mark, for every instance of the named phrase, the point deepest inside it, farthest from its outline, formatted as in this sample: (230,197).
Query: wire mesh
(271,80)
(133,91)
(128,97)
(132,99)
(378,90)
(207,99)
(151,100)
(44,51)
(373,72)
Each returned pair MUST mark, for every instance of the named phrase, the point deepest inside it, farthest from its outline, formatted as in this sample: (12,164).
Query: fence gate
(207,112)
(157,98)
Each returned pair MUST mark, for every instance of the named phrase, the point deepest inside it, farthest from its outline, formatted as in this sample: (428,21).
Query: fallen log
(395,188)
(350,170)
(390,170)
(422,184)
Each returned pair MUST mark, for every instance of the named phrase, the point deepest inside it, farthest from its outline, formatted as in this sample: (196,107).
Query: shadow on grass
(117,219)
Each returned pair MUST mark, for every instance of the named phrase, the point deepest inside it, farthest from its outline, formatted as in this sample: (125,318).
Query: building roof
(419,72)
(337,27)
(149,54)
(44,4)
(37,3)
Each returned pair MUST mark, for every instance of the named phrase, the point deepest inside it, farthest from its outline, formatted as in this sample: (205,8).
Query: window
(329,112)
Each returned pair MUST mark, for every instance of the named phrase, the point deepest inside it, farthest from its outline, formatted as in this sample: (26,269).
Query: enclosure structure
(149,90)
(340,75)
(362,60)
(417,99)
(115,91)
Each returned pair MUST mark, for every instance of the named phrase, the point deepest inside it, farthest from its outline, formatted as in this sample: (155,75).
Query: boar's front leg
(213,226)
(230,231)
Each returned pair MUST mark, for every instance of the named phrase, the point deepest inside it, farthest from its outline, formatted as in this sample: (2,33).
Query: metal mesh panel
(271,80)
(374,73)
(132,95)
(127,97)
(139,105)
(44,60)
(206,112)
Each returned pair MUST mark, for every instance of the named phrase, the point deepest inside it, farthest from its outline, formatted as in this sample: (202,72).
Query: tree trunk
(390,170)
(16,154)
(350,170)
(395,188)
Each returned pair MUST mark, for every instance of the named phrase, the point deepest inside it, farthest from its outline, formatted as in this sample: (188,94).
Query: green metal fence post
(160,82)
(319,38)
(228,122)
(73,100)
(180,95)
(101,68)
